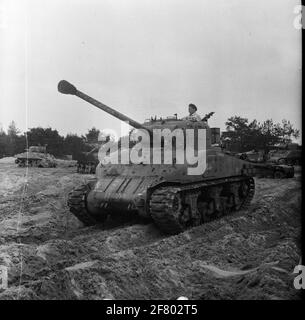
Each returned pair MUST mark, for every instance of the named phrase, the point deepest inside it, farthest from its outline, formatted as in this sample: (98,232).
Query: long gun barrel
(67,88)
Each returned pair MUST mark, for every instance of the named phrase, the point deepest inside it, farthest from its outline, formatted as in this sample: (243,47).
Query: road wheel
(206,209)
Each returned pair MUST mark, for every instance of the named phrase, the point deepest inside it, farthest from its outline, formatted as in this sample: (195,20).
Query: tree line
(13,141)
(242,135)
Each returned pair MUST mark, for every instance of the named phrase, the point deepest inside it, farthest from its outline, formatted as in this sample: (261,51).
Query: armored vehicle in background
(166,193)
(273,171)
(36,156)
(287,157)
(267,169)
(252,156)
(88,161)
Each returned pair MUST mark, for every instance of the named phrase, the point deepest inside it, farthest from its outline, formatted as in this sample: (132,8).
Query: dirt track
(50,255)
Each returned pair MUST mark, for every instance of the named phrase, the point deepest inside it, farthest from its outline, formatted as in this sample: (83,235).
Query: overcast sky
(148,57)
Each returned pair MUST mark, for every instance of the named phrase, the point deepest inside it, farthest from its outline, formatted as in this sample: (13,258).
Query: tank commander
(193,116)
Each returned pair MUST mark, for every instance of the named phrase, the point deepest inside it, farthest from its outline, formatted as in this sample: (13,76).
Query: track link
(77,204)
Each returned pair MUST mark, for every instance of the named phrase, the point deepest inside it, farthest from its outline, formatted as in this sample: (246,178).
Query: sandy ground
(50,255)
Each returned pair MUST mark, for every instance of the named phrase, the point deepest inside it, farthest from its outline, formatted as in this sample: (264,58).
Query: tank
(87,161)
(36,156)
(267,169)
(164,193)
(285,156)
(273,171)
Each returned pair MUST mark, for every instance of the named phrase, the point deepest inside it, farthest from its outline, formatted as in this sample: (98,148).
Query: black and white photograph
(151,150)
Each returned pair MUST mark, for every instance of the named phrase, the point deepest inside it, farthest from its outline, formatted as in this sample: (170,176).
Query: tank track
(34,163)
(164,213)
(77,204)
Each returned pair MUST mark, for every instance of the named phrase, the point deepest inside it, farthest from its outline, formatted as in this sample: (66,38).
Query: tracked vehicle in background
(87,162)
(267,169)
(273,171)
(36,156)
(165,193)
(285,157)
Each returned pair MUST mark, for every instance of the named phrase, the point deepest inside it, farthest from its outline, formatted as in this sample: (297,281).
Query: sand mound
(7,160)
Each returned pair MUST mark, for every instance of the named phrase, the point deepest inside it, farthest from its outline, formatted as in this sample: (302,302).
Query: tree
(277,133)
(11,142)
(74,145)
(287,131)
(49,137)
(12,129)
(3,143)
(245,136)
(92,135)
(14,142)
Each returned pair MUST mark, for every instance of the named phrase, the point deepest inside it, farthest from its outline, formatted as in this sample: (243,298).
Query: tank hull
(35,159)
(119,190)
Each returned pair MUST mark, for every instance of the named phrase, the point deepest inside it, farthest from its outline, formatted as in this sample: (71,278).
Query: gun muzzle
(66,87)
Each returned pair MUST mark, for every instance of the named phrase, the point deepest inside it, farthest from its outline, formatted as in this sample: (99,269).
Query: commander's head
(192,108)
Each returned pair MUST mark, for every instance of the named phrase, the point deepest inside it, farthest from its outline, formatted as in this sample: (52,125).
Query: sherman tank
(267,169)
(170,194)
(285,156)
(36,156)
(87,161)
(273,171)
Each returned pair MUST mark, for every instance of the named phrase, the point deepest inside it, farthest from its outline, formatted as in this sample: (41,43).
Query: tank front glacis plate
(122,193)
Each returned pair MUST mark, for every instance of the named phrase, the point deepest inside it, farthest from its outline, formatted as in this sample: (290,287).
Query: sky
(147,58)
